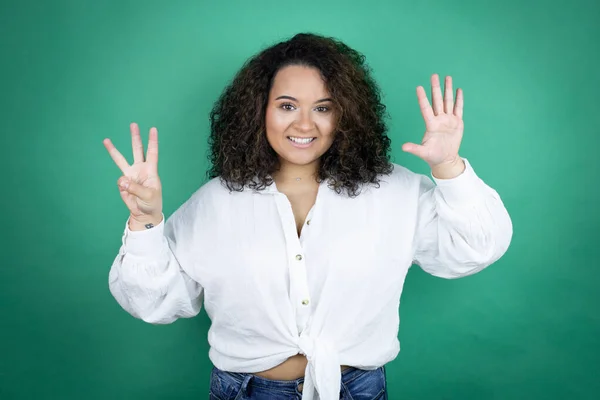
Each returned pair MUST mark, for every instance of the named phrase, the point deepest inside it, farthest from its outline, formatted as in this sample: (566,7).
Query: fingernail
(124,184)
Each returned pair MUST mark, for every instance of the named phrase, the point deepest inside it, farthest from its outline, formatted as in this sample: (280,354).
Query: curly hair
(239,151)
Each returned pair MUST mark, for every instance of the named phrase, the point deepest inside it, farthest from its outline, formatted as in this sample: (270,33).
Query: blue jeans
(357,384)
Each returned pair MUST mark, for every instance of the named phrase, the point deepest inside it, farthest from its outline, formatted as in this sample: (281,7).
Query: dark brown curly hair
(238,148)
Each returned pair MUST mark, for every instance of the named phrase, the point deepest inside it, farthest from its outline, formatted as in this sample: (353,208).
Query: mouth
(300,141)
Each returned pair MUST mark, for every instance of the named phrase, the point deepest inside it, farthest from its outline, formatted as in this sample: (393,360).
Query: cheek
(276,123)
(326,125)
(272,130)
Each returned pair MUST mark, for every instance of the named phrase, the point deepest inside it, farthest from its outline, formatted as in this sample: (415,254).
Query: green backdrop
(75,72)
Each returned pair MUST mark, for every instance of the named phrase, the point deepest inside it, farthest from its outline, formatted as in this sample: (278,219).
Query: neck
(296,173)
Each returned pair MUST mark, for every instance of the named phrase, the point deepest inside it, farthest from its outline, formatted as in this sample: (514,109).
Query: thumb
(415,149)
(134,188)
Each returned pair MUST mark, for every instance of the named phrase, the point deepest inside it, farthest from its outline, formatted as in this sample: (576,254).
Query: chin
(299,159)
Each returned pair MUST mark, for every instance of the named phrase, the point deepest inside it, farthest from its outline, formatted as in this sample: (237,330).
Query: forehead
(300,82)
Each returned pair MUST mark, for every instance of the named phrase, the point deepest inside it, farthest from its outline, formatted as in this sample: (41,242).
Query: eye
(287,106)
(322,109)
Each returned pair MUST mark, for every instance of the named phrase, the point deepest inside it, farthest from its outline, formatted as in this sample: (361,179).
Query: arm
(148,278)
(462,225)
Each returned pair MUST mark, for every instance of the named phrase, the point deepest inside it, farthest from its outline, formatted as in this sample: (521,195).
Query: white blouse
(331,294)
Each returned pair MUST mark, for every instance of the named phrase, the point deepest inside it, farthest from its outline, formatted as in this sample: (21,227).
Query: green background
(75,72)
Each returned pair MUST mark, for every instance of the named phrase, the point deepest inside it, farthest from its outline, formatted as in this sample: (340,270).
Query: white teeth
(301,140)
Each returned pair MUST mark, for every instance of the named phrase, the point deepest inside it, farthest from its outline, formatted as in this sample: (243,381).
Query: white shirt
(331,294)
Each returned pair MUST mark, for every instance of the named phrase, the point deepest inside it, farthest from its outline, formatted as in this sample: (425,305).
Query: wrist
(144,223)
(449,170)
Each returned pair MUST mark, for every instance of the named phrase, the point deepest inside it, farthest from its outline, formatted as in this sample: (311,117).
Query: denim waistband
(289,387)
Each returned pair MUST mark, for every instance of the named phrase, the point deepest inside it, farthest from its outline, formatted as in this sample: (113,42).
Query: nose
(305,123)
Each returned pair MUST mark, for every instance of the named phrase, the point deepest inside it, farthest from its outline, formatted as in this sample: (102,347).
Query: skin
(443,130)
(299,106)
(300,114)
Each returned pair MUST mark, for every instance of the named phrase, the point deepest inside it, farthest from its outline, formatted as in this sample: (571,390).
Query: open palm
(140,186)
(443,124)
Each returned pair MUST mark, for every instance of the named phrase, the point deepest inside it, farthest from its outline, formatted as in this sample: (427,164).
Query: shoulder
(401,182)
(213,192)
(209,193)
(213,188)
(401,178)
(215,195)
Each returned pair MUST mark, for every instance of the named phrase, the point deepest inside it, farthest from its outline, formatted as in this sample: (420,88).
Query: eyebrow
(294,99)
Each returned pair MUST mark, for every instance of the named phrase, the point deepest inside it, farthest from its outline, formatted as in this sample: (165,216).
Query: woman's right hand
(139,185)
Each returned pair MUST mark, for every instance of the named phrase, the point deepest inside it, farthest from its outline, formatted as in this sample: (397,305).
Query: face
(300,117)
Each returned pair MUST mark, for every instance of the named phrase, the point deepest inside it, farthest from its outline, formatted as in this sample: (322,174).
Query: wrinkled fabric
(332,292)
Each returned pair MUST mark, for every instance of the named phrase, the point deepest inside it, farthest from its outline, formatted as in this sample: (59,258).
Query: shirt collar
(272,188)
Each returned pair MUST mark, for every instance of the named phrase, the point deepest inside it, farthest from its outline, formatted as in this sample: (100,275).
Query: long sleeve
(462,225)
(148,278)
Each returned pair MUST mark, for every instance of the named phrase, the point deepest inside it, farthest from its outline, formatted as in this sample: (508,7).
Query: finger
(136,143)
(458,106)
(128,199)
(125,184)
(448,101)
(152,153)
(424,105)
(436,95)
(116,156)
(415,149)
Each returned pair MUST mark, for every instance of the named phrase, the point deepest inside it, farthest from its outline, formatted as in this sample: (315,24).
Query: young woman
(299,244)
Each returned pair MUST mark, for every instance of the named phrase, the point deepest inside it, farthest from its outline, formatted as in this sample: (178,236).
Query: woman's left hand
(443,129)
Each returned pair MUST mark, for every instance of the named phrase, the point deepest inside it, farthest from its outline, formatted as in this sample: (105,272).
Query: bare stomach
(291,369)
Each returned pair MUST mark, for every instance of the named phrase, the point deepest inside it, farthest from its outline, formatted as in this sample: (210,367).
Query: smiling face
(300,117)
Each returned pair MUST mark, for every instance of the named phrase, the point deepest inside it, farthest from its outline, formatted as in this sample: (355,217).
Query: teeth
(301,140)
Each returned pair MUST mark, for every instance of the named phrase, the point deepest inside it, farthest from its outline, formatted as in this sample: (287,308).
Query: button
(299,257)
(308,222)
(305,302)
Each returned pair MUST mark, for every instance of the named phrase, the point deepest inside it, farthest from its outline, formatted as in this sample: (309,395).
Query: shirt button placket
(305,301)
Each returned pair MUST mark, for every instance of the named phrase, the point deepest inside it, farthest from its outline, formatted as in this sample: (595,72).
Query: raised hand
(139,186)
(443,128)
